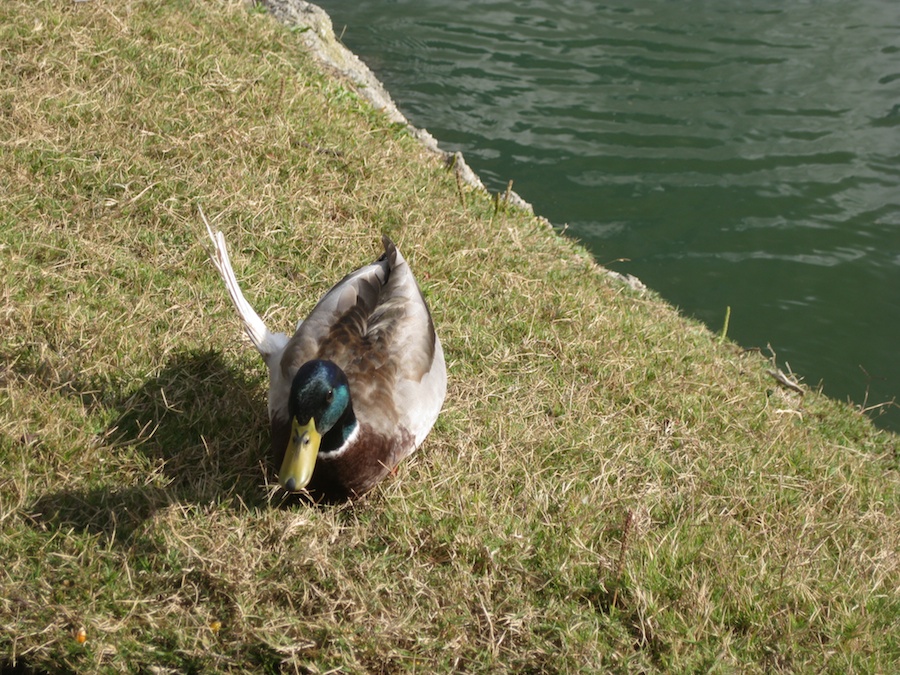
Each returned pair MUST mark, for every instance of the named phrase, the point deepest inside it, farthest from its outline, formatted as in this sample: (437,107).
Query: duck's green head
(321,420)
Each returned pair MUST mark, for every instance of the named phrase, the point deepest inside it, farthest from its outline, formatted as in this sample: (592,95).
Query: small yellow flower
(81,636)
(215,626)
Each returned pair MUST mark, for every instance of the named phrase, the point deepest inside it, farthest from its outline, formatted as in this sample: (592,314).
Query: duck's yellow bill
(300,456)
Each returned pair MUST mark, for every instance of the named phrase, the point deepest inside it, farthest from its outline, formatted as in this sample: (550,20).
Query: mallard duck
(358,386)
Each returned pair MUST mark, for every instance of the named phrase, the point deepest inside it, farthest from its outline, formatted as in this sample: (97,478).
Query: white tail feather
(266,342)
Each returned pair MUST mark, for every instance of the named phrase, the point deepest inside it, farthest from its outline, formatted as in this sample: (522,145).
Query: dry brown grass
(608,487)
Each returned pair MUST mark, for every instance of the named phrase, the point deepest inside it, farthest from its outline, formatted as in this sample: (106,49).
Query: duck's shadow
(194,434)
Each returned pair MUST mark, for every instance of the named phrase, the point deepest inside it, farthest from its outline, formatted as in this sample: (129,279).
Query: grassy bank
(609,487)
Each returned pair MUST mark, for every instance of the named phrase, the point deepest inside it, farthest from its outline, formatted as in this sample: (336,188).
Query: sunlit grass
(610,486)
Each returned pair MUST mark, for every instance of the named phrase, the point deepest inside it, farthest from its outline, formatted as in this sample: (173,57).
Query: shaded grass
(609,487)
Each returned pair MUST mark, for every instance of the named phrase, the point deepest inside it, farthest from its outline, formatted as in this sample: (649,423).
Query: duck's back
(375,325)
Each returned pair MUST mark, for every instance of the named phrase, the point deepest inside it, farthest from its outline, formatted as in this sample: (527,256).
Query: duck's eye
(329,397)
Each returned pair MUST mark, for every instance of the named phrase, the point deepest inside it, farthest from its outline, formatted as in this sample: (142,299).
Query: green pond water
(729,154)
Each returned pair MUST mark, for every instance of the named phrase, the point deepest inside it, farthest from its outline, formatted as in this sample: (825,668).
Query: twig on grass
(784,380)
(779,375)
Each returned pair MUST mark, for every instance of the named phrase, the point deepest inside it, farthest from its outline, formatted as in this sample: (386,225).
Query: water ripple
(734,153)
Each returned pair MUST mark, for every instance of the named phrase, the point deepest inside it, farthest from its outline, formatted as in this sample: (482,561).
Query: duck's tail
(266,342)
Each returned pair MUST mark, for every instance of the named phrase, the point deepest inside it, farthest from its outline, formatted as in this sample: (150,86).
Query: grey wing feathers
(403,318)
(377,308)
(375,325)
(349,301)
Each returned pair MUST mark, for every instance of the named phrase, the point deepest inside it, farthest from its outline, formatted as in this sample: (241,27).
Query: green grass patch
(610,487)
